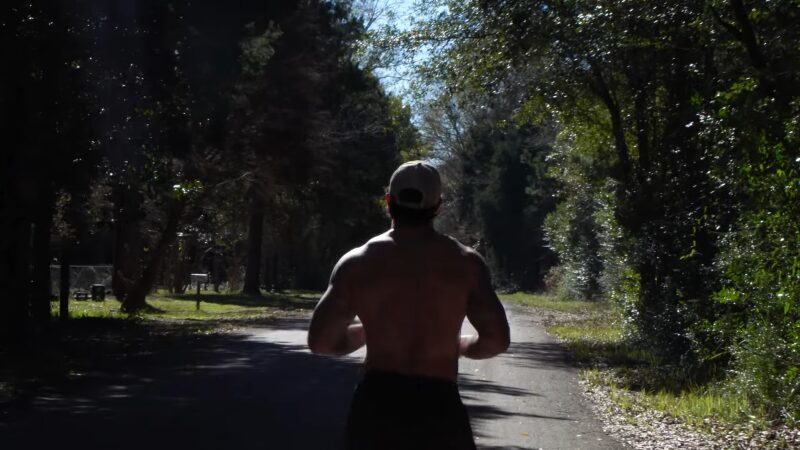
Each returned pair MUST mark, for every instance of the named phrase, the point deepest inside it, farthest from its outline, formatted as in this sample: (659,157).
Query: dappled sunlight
(182,390)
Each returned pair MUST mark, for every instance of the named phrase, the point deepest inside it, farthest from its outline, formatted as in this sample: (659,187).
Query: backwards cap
(416,185)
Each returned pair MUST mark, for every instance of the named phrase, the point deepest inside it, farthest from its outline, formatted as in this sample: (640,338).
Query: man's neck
(415,229)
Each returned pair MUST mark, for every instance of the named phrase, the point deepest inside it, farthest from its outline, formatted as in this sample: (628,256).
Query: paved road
(529,397)
(261,389)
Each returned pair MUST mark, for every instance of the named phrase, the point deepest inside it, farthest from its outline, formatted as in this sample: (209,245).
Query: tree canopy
(669,138)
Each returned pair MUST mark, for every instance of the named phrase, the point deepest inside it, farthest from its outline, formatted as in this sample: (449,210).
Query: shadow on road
(211,392)
(474,391)
(179,389)
(538,355)
(490,412)
(470,384)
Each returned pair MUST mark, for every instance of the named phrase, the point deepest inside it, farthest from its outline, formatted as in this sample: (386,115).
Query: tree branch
(747,35)
(737,33)
(600,88)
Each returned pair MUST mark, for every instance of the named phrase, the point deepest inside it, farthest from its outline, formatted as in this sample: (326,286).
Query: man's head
(415,193)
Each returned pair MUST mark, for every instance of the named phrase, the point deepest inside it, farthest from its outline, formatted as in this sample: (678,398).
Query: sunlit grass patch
(109,308)
(589,331)
(212,306)
(552,303)
(595,342)
(5,390)
(699,406)
(636,380)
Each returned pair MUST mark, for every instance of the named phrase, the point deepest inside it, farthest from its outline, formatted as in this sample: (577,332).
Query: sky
(401,17)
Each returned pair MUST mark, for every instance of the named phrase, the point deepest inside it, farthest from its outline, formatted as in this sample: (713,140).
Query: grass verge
(549,303)
(213,307)
(635,378)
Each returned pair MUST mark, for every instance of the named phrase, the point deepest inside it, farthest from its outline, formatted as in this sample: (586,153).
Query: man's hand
(476,347)
(464,344)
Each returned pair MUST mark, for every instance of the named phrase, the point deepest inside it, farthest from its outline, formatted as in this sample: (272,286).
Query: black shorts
(394,411)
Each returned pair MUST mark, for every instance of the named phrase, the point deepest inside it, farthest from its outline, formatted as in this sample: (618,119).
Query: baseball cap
(416,185)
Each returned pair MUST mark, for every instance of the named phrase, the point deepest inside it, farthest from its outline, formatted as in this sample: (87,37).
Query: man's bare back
(411,289)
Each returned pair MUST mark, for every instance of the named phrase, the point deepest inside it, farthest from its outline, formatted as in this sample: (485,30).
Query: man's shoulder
(356,255)
(465,250)
(380,244)
(379,240)
(353,256)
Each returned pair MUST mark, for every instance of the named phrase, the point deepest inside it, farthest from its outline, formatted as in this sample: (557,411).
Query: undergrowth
(637,378)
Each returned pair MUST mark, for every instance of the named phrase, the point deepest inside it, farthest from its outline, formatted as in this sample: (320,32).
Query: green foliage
(572,232)
(676,160)
(319,149)
(496,190)
(505,194)
(636,377)
(258,49)
(760,326)
(697,406)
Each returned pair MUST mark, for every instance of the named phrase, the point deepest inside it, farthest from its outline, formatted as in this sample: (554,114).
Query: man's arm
(331,331)
(487,315)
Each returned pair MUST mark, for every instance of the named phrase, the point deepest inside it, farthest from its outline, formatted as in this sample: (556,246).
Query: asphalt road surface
(261,389)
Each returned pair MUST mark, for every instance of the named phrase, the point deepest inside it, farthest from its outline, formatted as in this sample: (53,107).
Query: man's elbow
(318,346)
(501,343)
(491,345)
(505,343)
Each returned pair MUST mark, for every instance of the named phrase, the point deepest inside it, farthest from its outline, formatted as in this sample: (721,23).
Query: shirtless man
(411,288)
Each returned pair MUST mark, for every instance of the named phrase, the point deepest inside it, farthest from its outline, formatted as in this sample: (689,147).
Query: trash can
(98,292)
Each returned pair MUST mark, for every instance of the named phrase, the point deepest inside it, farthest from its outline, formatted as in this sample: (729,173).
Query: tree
(45,113)
(675,155)
(276,111)
(502,190)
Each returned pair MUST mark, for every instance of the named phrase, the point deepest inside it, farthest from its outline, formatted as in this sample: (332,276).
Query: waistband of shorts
(379,377)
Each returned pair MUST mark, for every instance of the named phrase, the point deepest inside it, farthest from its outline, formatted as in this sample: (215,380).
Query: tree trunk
(63,287)
(6,240)
(41,295)
(127,256)
(19,277)
(601,89)
(178,255)
(135,300)
(255,237)
(275,286)
(15,276)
